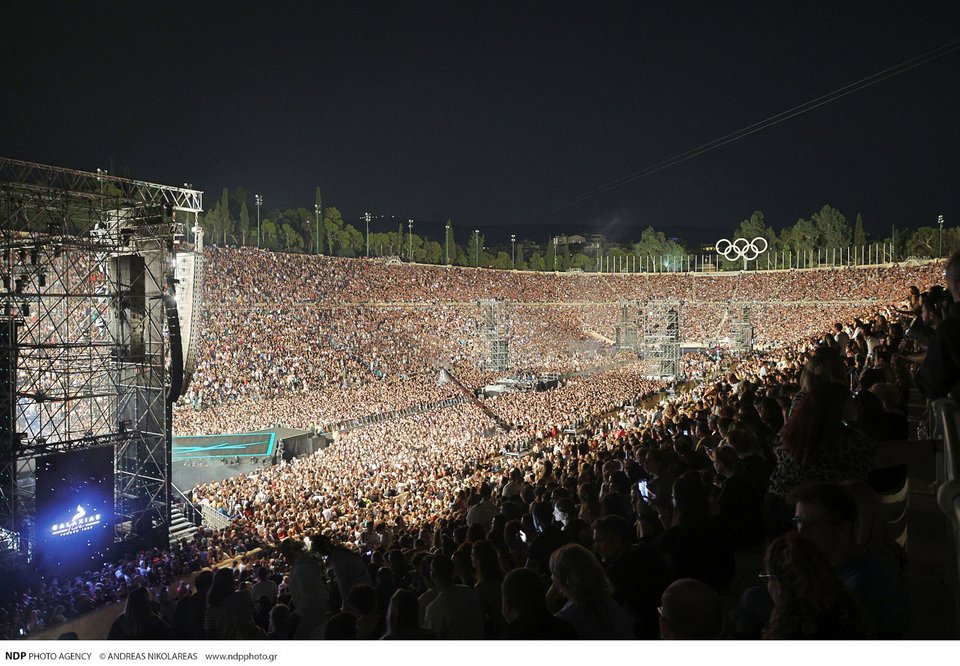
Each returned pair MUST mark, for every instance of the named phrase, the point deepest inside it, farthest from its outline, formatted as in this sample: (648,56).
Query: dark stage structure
(92,351)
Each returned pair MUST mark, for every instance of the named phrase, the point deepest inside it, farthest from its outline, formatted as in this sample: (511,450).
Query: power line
(810,105)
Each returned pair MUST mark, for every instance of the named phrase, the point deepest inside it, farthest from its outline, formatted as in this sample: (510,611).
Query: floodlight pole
(366,218)
(940,223)
(446,243)
(513,252)
(410,241)
(259,201)
(316,210)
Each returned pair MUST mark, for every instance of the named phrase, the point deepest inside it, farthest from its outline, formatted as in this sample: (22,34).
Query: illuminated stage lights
(80,522)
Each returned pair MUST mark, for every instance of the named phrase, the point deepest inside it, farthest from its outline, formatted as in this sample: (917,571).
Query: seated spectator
(483,512)
(691,610)
(264,585)
(637,572)
(697,544)
(456,612)
(590,606)
(486,563)
(280,626)
(525,609)
(341,627)
(826,515)
(362,602)
(739,498)
(809,600)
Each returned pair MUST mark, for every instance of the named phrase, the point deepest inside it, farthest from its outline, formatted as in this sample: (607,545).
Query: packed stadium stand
(618,491)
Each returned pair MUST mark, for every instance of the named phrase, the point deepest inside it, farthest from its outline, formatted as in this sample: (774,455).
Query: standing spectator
(308,589)
(939,374)
(403,618)
(190,611)
(817,447)
(138,620)
(349,568)
(230,612)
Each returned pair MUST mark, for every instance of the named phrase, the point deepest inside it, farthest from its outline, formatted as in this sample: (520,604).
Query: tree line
(232,221)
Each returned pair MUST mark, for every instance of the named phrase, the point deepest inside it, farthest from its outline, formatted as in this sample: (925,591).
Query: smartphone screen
(644,492)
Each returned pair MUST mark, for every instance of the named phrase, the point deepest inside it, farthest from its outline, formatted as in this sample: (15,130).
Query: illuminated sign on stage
(81,522)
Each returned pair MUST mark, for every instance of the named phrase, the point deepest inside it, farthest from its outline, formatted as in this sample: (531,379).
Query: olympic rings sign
(742,248)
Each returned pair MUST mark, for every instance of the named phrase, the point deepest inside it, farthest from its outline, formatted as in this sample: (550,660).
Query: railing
(190,510)
(872,254)
(213,518)
(948,492)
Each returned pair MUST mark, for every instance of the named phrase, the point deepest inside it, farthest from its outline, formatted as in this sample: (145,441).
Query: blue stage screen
(75,517)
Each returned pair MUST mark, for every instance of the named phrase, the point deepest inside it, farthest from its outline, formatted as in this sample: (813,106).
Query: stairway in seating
(181,529)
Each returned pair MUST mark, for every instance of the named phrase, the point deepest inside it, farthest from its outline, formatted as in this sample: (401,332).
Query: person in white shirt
(456,613)
(483,512)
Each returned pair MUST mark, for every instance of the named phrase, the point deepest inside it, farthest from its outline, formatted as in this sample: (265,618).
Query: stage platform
(204,458)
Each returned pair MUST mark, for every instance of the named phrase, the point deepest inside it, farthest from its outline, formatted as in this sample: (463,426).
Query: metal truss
(98,184)
(741,327)
(85,259)
(495,333)
(660,347)
(626,328)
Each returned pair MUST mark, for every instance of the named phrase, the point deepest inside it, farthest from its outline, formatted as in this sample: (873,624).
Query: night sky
(496,114)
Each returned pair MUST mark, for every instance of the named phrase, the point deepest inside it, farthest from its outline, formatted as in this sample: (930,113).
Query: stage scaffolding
(626,329)
(86,260)
(660,346)
(741,327)
(495,331)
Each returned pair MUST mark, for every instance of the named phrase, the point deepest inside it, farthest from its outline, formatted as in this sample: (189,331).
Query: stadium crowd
(422,527)
(277,326)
